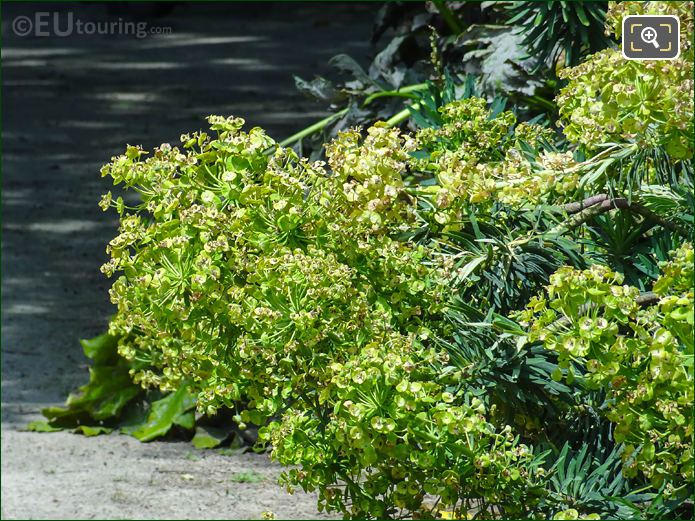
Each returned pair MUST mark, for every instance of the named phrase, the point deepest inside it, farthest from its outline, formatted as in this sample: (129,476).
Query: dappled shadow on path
(70,103)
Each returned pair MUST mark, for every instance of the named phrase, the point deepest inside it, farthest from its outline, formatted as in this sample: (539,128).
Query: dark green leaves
(108,391)
(111,400)
(555,31)
(590,481)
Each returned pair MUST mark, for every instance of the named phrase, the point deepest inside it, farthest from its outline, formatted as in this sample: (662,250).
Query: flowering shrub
(248,259)
(316,300)
(437,323)
(266,280)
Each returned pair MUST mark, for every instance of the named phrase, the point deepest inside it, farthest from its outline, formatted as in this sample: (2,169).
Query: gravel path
(69,104)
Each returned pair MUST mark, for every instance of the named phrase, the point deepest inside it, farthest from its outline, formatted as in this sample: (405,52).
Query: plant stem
(313,128)
(600,204)
(572,208)
(401,116)
(542,102)
(404,93)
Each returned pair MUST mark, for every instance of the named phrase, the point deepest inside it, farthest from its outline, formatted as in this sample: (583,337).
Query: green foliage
(208,437)
(111,400)
(42,426)
(560,32)
(109,390)
(476,319)
(248,254)
(641,356)
(461,41)
(318,298)
(477,154)
(337,311)
(173,409)
(402,428)
(588,484)
(650,103)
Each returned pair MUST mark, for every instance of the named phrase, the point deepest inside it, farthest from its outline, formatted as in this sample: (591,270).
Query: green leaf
(507,325)
(207,437)
(468,268)
(108,391)
(92,431)
(186,420)
(556,374)
(103,349)
(42,426)
(286,223)
(582,15)
(170,410)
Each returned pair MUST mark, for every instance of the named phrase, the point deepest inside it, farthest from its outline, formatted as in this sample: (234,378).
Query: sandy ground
(69,104)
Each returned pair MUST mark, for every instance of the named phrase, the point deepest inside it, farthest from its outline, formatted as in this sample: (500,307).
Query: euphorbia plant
(434,321)
(269,280)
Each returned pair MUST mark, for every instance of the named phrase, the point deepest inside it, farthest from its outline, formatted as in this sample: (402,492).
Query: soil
(69,104)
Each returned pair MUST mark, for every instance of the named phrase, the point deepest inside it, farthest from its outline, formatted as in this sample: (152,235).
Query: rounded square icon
(651,37)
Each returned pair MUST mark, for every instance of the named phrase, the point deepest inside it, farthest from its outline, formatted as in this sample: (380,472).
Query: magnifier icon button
(648,35)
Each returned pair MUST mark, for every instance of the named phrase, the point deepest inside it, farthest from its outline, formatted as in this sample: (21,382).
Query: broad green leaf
(101,349)
(108,391)
(207,437)
(170,410)
(42,426)
(92,431)
(186,420)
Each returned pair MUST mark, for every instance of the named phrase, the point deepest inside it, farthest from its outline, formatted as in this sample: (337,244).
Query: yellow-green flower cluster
(478,159)
(647,102)
(370,173)
(572,513)
(468,128)
(401,427)
(641,356)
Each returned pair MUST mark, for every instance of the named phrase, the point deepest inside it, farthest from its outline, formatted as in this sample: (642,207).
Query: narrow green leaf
(582,15)
(468,268)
